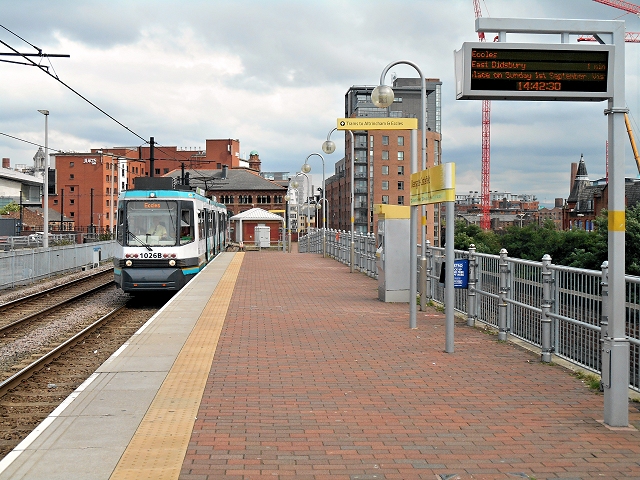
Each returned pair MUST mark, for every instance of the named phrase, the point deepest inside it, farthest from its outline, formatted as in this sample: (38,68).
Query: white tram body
(165,235)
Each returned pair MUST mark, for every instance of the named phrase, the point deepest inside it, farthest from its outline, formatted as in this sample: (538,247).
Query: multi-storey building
(87,184)
(383,157)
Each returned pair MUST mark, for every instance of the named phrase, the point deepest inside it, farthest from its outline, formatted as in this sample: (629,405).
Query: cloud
(274,75)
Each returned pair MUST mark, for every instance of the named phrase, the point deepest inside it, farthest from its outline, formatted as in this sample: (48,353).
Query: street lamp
(306,168)
(307,203)
(329,147)
(45,196)
(382,96)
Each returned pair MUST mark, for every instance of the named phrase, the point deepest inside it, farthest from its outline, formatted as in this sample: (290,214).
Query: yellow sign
(364,123)
(434,185)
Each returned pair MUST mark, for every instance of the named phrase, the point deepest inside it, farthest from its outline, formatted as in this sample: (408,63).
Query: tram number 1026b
(540,86)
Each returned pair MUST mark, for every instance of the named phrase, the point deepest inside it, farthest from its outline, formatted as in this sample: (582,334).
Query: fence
(21,267)
(555,308)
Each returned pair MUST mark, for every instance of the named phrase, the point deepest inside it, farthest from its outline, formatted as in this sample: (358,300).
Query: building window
(385,155)
(400,141)
(397,99)
(166,170)
(385,169)
(371,141)
(107,178)
(55,202)
(400,199)
(400,156)
(72,189)
(400,169)
(401,185)
(385,185)
(385,140)
(71,201)
(157,170)
(72,214)
(385,199)
(71,176)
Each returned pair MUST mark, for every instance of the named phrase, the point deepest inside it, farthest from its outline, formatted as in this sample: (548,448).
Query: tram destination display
(486,71)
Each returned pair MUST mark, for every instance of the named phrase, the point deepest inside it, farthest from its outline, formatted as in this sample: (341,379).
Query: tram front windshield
(152,223)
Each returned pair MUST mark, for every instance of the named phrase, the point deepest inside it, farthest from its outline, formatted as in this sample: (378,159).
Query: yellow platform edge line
(158,447)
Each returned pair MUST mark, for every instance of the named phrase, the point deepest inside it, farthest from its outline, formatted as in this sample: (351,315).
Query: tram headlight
(172,263)
(128,263)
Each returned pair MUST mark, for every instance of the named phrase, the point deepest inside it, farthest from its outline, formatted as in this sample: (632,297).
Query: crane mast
(485,175)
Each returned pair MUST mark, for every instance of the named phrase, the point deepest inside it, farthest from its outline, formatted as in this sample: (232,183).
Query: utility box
(392,256)
(97,256)
(10,227)
(262,235)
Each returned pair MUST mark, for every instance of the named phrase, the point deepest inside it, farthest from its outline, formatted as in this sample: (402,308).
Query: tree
(11,207)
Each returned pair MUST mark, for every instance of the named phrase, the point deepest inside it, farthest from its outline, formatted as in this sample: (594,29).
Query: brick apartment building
(383,157)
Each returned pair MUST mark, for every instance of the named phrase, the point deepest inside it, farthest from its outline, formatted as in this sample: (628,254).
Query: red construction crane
(631,37)
(621,4)
(485,221)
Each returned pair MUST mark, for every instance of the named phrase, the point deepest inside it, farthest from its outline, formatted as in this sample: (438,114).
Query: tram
(165,235)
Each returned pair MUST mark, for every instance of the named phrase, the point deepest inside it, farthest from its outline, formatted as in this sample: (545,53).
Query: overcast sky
(273,74)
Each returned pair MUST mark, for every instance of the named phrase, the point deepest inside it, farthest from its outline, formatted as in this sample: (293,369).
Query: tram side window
(120,224)
(201,232)
(186,229)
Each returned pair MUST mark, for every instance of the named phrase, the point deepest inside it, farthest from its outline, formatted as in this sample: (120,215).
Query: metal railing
(556,308)
(22,267)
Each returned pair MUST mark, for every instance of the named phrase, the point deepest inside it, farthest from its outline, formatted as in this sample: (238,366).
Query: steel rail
(52,307)
(29,370)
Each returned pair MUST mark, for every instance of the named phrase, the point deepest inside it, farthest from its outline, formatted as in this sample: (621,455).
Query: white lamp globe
(328,147)
(382,96)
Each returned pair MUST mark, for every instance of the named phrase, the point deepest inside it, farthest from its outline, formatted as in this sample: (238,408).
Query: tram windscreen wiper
(145,245)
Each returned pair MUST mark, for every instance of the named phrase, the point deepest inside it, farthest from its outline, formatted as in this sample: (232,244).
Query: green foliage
(485,241)
(11,207)
(574,248)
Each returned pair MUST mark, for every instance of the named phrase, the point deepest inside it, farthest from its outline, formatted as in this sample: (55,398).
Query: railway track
(22,309)
(53,340)
(32,389)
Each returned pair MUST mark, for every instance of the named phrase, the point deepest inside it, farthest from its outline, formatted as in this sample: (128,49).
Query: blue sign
(461,273)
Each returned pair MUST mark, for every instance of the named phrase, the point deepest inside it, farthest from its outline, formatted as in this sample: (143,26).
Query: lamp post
(329,147)
(306,168)
(382,96)
(45,193)
(295,184)
(288,197)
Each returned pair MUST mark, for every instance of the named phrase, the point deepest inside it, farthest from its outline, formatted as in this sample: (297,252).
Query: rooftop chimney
(6,163)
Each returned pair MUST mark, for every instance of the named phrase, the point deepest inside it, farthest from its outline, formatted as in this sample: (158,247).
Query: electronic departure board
(510,71)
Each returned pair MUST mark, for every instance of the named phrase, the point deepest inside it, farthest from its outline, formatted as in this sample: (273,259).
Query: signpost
(438,185)
(389,123)
(515,71)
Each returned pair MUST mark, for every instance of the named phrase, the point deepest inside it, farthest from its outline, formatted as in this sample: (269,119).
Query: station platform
(270,364)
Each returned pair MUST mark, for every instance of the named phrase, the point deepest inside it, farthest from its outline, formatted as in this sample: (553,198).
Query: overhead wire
(55,77)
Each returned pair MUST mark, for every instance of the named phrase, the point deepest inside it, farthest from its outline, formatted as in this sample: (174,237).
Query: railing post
(428,270)
(604,318)
(472,299)
(545,320)
(422,280)
(502,304)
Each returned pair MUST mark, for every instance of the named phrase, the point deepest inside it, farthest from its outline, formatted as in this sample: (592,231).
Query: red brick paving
(315,378)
